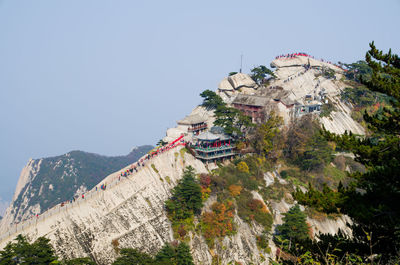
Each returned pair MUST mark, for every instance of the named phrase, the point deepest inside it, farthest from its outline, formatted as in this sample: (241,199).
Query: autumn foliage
(235,190)
(243,167)
(205,182)
(219,222)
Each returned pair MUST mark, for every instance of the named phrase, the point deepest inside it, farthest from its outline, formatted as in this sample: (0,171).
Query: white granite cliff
(130,212)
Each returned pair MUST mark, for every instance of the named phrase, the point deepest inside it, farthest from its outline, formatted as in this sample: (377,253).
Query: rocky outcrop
(339,121)
(236,82)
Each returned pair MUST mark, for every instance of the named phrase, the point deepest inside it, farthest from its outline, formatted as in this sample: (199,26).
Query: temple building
(195,124)
(306,109)
(213,146)
(251,105)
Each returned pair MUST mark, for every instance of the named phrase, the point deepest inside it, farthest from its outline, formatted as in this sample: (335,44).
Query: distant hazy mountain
(3,206)
(46,182)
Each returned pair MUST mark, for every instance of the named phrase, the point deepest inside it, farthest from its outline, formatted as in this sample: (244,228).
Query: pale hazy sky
(104,76)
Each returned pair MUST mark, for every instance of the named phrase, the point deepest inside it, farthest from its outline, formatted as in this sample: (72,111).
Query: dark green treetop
(294,227)
(211,100)
(232,120)
(22,252)
(186,197)
(258,74)
(372,200)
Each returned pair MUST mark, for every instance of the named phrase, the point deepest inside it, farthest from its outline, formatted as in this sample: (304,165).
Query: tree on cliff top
(211,100)
(258,74)
(232,120)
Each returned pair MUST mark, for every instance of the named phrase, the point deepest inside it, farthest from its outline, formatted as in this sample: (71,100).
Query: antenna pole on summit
(241,61)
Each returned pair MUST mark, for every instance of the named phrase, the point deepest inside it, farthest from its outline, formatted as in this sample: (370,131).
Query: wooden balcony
(197,128)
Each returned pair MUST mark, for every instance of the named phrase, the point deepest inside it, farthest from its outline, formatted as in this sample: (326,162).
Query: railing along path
(64,206)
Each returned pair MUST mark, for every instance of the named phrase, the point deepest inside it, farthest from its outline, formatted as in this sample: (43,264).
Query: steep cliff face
(46,182)
(130,212)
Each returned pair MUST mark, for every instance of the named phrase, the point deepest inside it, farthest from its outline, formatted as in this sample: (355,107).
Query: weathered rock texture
(46,182)
(130,212)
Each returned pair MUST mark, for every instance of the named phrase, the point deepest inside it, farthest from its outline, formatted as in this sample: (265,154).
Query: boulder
(236,82)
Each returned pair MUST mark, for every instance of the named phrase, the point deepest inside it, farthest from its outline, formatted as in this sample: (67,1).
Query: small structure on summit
(195,124)
(251,105)
(301,109)
(213,146)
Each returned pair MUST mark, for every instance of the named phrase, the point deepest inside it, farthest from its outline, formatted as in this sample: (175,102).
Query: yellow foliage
(261,160)
(332,145)
(241,145)
(243,167)
(235,190)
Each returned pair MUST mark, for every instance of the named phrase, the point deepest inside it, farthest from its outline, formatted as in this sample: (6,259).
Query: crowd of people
(306,68)
(293,55)
(125,173)
(297,54)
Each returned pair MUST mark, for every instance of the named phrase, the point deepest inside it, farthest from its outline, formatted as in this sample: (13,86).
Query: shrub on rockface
(243,167)
(218,222)
(327,201)
(250,209)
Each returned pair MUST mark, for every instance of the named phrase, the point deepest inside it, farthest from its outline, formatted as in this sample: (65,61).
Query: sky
(104,76)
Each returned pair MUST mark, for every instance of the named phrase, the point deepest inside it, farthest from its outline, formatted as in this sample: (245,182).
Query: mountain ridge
(132,213)
(65,176)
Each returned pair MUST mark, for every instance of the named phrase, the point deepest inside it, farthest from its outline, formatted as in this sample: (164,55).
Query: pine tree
(22,252)
(232,120)
(317,153)
(186,197)
(131,256)
(260,73)
(211,100)
(294,227)
(7,255)
(372,200)
(183,255)
(166,255)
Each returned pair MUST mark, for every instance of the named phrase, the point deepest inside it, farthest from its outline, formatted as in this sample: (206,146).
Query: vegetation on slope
(371,200)
(307,158)
(38,252)
(294,229)
(232,120)
(174,254)
(41,252)
(60,177)
(185,202)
